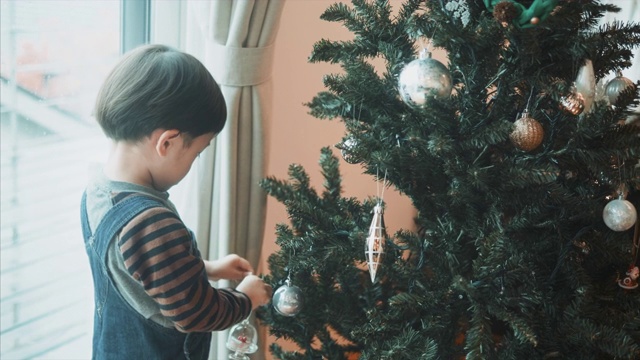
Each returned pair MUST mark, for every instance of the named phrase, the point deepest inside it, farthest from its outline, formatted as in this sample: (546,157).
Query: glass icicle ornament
(242,339)
(424,78)
(616,85)
(374,246)
(586,84)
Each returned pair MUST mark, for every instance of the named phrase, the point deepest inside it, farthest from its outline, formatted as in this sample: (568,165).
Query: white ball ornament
(619,215)
(424,78)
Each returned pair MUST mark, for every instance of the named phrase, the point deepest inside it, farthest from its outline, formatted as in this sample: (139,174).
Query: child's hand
(230,267)
(256,289)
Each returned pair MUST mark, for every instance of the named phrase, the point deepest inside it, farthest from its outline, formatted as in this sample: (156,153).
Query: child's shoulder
(146,206)
(118,197)
(153,216)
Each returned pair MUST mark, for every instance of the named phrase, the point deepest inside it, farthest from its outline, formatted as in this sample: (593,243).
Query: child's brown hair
(158,87)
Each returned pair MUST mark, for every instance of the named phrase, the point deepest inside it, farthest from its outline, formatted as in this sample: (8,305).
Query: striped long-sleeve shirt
(160,252)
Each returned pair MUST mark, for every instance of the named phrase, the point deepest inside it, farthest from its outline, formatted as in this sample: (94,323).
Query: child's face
(178,160)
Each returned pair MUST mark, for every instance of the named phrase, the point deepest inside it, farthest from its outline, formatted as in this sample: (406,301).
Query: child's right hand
(256,289)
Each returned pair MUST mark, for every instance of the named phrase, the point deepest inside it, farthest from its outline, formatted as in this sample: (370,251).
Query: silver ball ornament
(347,150)
(288,300)
(422,79)
(617,85)
(619,215)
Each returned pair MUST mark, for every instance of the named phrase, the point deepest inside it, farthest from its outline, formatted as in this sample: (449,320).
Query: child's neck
(127,163)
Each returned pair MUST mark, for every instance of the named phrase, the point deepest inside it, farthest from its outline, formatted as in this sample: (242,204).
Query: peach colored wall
(293,136)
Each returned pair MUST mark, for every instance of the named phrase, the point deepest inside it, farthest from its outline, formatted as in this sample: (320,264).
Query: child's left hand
(230,267)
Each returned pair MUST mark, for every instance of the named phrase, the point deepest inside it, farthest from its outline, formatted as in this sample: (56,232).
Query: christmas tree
(520,153)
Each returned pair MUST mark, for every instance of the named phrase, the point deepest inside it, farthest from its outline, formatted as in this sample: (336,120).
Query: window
(54,56)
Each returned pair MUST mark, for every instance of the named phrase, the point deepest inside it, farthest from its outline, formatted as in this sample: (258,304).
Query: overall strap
(115,218)
(84,218)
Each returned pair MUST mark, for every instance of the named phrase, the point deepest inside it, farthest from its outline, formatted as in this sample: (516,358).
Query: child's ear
(165,140)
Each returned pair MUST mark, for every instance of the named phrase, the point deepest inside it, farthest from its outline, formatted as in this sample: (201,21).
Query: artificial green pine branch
(511,258)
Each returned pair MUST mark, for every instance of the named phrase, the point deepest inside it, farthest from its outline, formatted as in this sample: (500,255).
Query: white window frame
(141,22)
(168,19)
(135,27)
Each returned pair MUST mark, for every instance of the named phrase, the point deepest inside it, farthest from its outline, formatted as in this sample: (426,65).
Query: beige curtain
(235,40)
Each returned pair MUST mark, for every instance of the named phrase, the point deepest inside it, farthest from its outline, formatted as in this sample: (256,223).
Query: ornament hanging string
(620,178)
(529,100)
(384,185)
(425,43)
(636,244)
(292,253)
(526,108)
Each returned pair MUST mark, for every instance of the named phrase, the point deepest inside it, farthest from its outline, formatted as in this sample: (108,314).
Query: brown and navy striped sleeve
(159,252)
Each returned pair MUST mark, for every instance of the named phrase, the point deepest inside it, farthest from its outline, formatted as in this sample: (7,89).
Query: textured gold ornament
(572,103)
(527,133)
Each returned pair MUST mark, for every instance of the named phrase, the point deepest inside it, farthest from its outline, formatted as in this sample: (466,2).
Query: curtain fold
(235,40)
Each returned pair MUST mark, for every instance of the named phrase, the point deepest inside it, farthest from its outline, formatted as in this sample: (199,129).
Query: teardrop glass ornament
(374,246)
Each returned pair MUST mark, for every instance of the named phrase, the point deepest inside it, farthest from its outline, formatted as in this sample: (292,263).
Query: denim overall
(119,331)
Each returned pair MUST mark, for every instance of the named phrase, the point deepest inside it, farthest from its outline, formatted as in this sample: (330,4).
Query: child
(161,108)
